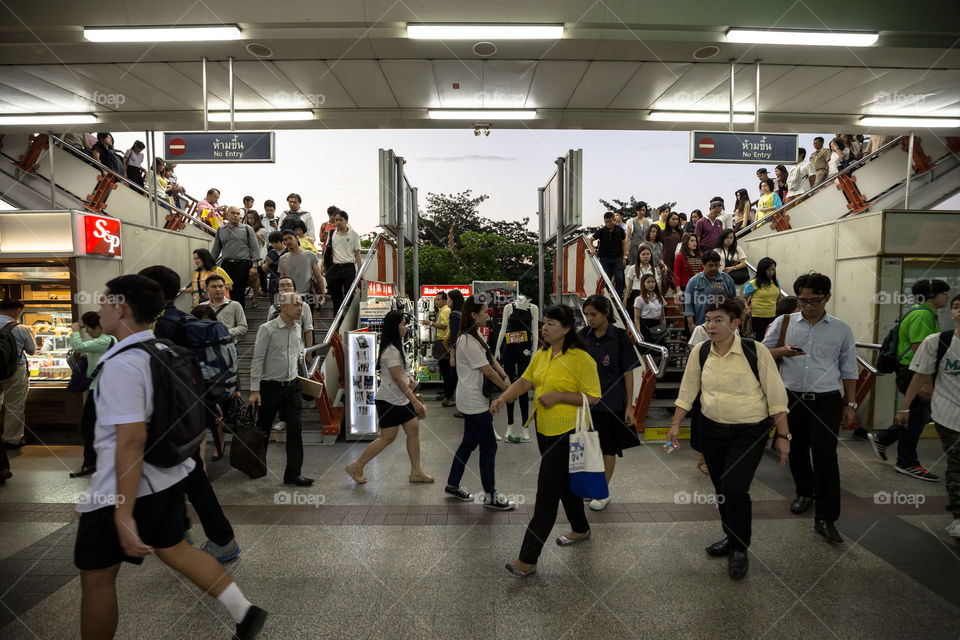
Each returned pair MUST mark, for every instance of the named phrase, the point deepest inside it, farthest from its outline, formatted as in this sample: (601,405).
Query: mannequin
(518,340)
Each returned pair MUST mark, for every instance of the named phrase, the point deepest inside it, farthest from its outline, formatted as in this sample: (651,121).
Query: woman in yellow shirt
(558,373)
(763,294)
(206,266)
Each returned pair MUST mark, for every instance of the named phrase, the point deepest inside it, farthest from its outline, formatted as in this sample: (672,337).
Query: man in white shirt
(295,213)
(341,261)
(133,508)
(801,177)
(937,362)
(228,312)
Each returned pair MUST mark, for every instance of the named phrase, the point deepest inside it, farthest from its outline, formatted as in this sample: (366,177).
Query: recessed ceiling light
(484,49)
(810,38)
(258,50)
(162,34)
(260,116)
(482,114)
(485,31)
(699,116)
(706,52)
(899,121)
(48,118)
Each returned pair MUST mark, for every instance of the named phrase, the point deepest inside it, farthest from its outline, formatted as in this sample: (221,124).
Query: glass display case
(45,291)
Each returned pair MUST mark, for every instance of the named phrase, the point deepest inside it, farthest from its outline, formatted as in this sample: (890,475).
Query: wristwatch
(786,436)
(853,405)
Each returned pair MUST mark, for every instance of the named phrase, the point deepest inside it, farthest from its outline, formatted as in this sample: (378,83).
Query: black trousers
(733,453)
(200,494)
(239,272)
(284,398)
(815,424)
(339,278)
(553,487)
(907,437)
(515,362)
(448,374)
(88,422)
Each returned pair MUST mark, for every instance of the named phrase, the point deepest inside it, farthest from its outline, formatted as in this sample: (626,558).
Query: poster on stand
(360,386)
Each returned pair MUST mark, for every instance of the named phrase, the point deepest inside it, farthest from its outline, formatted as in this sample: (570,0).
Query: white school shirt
(124,394)
(471,357)
(945,403)
(652,310)
(388,390)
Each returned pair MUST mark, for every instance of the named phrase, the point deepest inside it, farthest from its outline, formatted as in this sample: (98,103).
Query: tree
(457,212)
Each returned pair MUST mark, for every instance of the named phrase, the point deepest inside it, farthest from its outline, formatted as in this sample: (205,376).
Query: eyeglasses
(810,302)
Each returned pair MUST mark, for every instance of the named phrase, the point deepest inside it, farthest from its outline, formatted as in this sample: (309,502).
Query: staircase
(660,415)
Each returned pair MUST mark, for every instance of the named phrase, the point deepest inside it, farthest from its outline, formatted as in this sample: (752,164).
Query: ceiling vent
(485,49)
(258,50)
(703,53)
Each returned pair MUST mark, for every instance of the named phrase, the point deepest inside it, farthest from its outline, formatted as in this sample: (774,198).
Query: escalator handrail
(821,185)
(340,312)
(637,338)
(166,204)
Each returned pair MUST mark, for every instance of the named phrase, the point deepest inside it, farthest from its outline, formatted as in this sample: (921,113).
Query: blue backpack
(216,351)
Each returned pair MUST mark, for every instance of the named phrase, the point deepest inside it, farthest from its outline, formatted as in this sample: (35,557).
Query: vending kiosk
(429,369)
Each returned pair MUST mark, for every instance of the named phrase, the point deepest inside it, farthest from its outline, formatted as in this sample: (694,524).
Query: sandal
(422,476)
(356,475)
(703,468)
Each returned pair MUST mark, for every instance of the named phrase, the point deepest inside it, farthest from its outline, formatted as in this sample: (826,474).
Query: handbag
(248,450)
(587,478)
(656,333)
(79,381)
(740,276)
(438,350)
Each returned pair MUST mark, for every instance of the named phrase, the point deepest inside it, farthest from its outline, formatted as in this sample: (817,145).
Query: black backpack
(10,351)
(889,358)
(178,420)
(749,351)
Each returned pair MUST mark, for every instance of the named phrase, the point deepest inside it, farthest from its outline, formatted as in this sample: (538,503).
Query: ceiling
(351,63)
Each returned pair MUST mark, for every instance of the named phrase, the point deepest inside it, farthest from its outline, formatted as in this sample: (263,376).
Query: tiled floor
(395,560)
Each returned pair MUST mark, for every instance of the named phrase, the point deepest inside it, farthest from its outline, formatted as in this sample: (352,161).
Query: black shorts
(615,434)
(159,517)
(394,415)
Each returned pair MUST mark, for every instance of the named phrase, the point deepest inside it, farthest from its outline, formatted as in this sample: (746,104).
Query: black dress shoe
(719,549)
(5,474)
(82,471)
(859,434)
(801,504)
(300,481)
(252,624)
(15,445)
(738,563)
(827,530)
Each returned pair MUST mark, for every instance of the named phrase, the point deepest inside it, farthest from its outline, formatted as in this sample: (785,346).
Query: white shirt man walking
(341,260)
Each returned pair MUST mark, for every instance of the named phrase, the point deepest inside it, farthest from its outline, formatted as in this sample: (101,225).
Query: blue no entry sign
(740,146)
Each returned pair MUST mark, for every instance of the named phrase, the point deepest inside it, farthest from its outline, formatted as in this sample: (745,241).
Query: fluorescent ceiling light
(482,114)
(161,34)
(485,31)
(48,118)
(812,38)
(260,116)
(894,121)
(699,116)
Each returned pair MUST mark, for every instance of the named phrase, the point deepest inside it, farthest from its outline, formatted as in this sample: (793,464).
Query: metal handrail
(637,338)
(166,203)
(340,312)
(821,185)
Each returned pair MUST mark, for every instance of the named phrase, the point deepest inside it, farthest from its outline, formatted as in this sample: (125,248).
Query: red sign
(430,290)
(706,146)
(102,235)
(177,146)
(379,289)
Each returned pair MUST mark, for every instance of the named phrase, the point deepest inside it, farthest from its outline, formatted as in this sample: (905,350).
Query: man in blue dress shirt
(819,359)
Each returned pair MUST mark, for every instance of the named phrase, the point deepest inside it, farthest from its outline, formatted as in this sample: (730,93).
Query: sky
(341,167)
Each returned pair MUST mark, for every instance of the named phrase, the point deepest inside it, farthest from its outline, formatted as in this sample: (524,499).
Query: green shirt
(93,349)
(914,328)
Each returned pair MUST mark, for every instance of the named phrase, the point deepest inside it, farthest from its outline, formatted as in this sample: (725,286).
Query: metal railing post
(203,82)
(540,249)
(906,191)
(53,176)
(560,276)
(732,71)
(756,100)
(230,71)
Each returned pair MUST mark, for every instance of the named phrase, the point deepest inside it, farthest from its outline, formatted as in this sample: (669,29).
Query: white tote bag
(587,478)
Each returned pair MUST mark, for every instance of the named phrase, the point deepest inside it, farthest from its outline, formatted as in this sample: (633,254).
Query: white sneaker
(953,529)
(600,505)
(526,435)
(280,426)
(497,436)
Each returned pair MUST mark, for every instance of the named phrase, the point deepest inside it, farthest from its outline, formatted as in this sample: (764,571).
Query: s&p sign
(102,235)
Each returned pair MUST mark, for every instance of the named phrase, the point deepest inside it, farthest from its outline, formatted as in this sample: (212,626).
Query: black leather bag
(248,450)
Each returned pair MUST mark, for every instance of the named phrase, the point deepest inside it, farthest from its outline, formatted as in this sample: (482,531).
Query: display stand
(428,371)
(360,362)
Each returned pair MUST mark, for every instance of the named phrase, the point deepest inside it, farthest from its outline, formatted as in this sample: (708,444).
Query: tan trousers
(13,397)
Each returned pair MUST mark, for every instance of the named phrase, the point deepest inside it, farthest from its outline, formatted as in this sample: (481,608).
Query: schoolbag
(10,351)
(210,342)
(890,355)
(943,343)
(749,351)
(178,421)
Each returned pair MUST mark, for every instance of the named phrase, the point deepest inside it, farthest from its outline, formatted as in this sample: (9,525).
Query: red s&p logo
(103,235)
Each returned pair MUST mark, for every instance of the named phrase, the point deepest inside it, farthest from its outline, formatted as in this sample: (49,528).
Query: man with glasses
(819,359)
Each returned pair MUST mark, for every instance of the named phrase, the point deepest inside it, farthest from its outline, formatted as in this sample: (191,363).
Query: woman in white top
(733,259)
(474,363)
(396,403)
(635,273)
(133,163)
(837,156)
(648,310)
